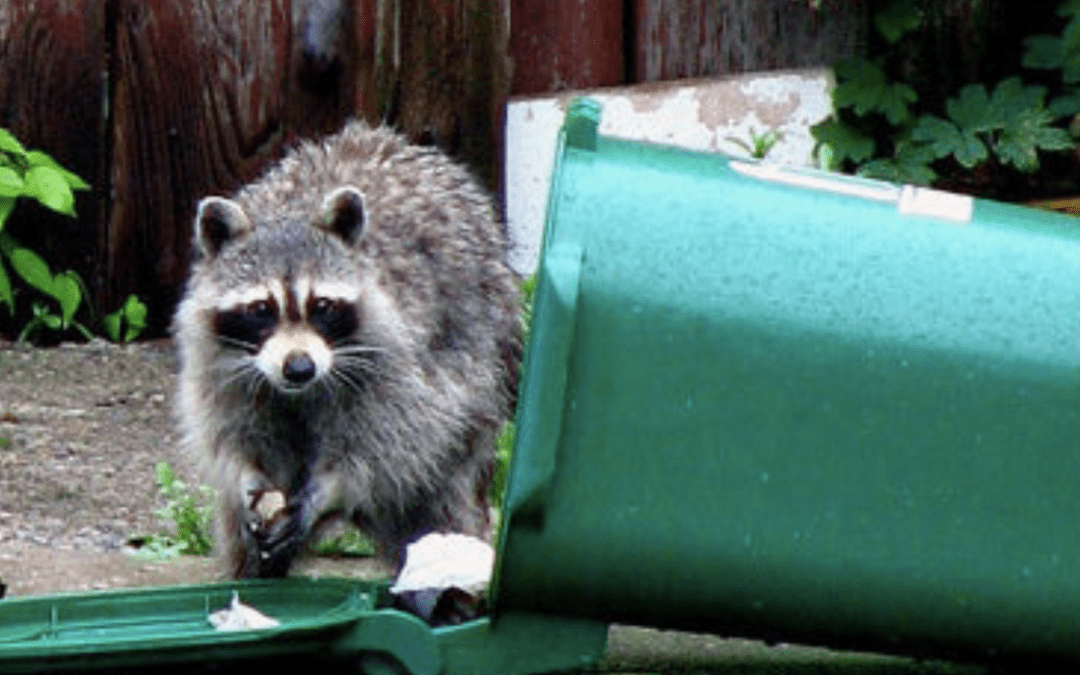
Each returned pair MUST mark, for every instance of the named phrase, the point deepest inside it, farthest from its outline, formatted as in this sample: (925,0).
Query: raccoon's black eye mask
(334,319)
(249,325)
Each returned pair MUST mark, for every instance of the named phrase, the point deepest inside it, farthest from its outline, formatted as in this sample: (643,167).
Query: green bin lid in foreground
(146,627)
(800,406)
(340,623)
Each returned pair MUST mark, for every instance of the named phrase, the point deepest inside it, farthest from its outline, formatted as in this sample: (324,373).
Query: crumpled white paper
(444,561)
(238,616)
(455,565)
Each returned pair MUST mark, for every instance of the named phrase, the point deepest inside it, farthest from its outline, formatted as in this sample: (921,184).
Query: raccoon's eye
(261,310)
(335,319)
(248,325)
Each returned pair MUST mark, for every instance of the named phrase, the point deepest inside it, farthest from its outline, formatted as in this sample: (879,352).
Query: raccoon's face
(288,309)
(295,334)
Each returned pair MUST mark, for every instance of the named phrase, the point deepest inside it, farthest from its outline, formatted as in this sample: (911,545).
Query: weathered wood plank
(451,78)
(376,57)
(322,89)
(52,65)
(566,44)
(696,38)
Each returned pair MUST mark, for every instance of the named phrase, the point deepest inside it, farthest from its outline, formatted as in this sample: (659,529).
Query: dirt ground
(81,429)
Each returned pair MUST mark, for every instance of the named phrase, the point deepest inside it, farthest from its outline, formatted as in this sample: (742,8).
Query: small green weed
(504,443)
(504,450)
(127,322)
(349,543)
(760,145)
(189,512)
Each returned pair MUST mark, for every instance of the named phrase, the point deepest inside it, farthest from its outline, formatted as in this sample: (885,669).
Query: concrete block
(696,114)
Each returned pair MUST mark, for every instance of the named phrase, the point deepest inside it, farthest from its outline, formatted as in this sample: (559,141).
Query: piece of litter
(444,577)
(238,616)
(446,561)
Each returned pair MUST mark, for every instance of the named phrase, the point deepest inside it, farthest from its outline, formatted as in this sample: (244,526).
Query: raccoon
(348,337)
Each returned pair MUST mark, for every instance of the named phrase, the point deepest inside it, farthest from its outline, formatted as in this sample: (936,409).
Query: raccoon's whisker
(355,350)
(358,369)
(356,361)
(237,344)
(254,382)
(240,371)
(347,379)
(227,373)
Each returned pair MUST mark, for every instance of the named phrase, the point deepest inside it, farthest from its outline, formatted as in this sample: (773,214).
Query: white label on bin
(878,191)
(921,201)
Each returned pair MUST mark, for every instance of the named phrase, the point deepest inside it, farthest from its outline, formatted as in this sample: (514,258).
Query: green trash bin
(798,406)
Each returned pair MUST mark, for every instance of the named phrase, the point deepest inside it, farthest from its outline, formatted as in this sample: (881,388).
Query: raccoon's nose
(298,368)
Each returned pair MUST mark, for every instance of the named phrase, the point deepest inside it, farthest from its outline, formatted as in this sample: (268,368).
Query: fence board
(197,109)
(698,38)
(451,78)
(566,44)
(376,57)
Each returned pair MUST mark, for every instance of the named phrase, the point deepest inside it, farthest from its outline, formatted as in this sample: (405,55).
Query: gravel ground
(81,428)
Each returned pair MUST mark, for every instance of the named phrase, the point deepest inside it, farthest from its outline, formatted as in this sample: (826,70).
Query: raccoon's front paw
(245,545)
(255,520)
(281,539)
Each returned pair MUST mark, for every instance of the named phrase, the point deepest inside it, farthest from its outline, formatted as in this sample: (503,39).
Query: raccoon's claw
(245,547)
(280,543)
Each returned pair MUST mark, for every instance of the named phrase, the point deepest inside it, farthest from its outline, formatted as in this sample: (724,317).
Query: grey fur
(398,437)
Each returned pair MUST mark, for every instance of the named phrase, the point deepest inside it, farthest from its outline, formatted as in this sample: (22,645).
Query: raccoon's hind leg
(458,505)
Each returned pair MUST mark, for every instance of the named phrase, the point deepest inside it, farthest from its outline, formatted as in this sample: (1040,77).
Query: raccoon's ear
(218,221)
(343,214)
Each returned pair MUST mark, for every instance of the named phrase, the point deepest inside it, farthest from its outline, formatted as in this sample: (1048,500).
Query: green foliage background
(55,299)
(1005,139)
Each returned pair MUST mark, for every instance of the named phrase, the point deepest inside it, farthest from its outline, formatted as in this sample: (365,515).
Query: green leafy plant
(982,134)
(1058,52)
(504,450)
(760,144)
(126,323)
(504,443)
(34,175)
(190,514)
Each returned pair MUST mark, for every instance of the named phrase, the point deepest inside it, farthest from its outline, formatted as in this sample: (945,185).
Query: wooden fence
(159,102)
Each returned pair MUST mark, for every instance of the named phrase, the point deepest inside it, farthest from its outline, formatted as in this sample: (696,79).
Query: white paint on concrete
(695,114)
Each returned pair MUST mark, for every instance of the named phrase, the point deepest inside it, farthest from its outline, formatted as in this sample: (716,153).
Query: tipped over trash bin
(779,403)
